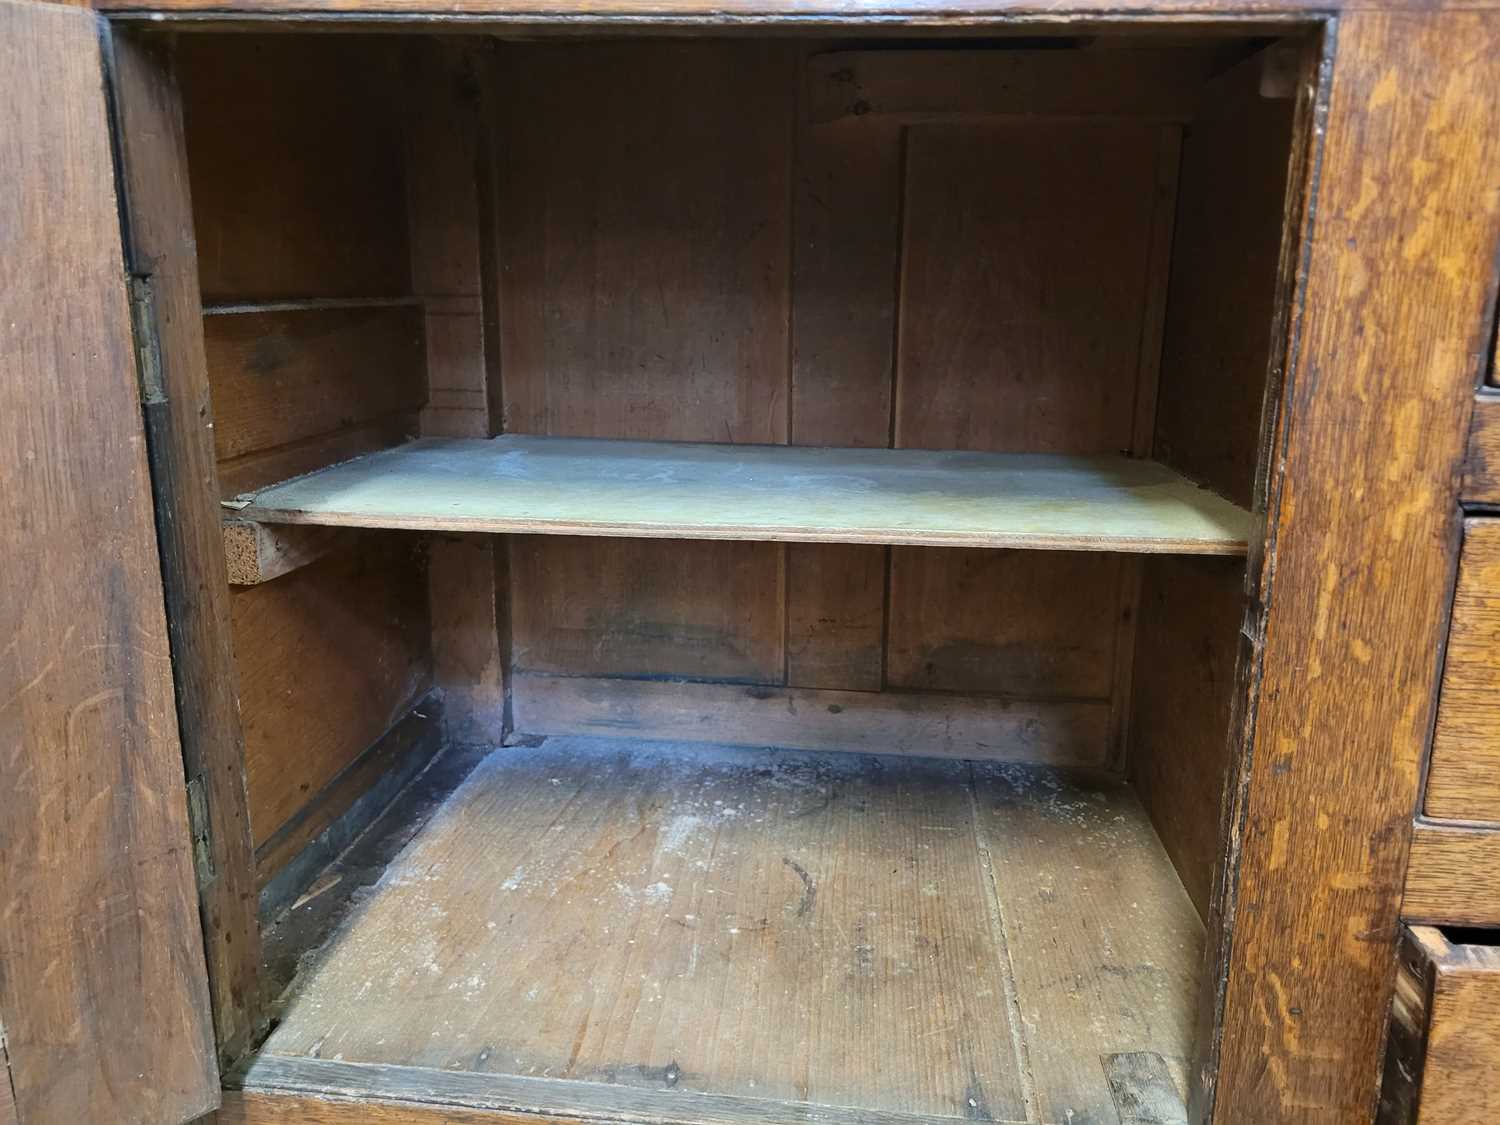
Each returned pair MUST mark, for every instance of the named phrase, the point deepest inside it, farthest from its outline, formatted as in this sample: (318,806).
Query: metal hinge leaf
(198,824)
(147,341)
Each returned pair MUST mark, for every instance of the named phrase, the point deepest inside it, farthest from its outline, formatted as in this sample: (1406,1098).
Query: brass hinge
(198,824)
(147,341)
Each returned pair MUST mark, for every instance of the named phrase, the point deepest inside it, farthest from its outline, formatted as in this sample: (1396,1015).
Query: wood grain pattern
(1225,286)
(296,169)
(444,141)
(7,1095)
(1022,623)
(915,85)
(1481,484)
(1463,774)
(644,293)
(279,1107)
(424,1093)
(1105,953)
(1406,1041)
(1179,752)
(1450,878)
(329,658)
(943,725)
(1026,299)
(1016,334)
(1461,1073)
(1362,528)
(835,616)
(692,942)
(647,273)
(819,931)
(1209,414)
(258,552)
(443,144)
(1448,995)
(687,490)
(467,619)
(332,817)
(730,13)
(284,377)
(160,255)
(315,353)
(845,258)
(103,991)
(698,610)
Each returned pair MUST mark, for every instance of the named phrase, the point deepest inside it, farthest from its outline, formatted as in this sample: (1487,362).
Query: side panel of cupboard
(314,351)
(1363,528)
(103,993)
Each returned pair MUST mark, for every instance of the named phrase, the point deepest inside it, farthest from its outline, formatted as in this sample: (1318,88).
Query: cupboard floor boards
(645,931)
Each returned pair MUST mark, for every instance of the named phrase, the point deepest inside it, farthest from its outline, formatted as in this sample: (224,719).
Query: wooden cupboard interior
(593,770)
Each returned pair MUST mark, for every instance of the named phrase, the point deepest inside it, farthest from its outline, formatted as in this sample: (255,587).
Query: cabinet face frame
(1364,438)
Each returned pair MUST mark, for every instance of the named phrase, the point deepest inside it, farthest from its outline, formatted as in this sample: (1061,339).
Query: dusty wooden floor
(941,939)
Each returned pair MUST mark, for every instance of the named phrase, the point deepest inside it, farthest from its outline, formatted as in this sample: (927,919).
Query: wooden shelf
(678,490)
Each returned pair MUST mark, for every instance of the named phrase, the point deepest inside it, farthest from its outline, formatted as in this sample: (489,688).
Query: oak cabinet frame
(1391,238)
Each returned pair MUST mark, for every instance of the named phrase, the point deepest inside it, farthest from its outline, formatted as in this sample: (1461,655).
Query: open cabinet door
(103,987)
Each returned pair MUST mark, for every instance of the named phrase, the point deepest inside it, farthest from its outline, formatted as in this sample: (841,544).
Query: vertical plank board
(644,293)
(102,981)
(1008,248)
(835,616)
(443,147)
(467,661)
(442,130)
(846,232)
(161,256)
(1360,553)
(646,272)
(1023,285)
(846,255)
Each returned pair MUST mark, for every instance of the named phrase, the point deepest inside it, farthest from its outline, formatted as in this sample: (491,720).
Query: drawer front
(1463,781)
(1453,876)
(1481,483)
(1443,1055)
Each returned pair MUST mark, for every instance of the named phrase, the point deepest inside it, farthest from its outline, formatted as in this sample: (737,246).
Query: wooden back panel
(644,293)
(684,255)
